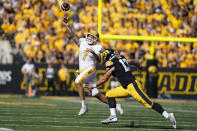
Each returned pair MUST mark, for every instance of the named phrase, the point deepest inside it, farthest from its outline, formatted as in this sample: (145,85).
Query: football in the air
(65,6)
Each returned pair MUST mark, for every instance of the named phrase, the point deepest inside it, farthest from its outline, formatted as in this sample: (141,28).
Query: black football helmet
(108,54)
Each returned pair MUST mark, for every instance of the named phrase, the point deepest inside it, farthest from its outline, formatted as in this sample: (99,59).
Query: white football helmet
(92,38)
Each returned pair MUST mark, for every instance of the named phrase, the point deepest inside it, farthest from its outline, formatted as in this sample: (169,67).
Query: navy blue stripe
(141,94)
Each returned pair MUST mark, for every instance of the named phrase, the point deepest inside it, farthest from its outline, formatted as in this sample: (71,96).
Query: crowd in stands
(35,28)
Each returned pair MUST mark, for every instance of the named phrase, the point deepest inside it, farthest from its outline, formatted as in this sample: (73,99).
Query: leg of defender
(135,90)
(104,99)
(112,118)
(116,92)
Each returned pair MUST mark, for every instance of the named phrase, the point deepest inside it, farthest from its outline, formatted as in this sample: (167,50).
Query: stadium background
(161,33)
(34,28)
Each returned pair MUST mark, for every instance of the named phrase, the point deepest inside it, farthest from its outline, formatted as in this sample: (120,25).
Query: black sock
(112,102)
(157,107)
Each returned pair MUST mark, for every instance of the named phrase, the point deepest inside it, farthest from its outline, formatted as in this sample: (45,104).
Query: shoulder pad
(109,64)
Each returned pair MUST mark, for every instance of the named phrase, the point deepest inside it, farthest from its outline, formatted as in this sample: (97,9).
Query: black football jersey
(122,70)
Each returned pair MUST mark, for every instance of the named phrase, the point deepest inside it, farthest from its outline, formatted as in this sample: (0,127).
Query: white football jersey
(87,59)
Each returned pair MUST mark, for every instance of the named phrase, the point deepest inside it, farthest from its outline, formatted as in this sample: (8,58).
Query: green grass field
(50,114)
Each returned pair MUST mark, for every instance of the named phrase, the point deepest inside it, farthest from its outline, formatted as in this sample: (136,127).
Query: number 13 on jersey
(125,64)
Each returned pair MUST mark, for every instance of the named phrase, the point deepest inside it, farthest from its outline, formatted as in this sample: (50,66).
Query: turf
(48,114)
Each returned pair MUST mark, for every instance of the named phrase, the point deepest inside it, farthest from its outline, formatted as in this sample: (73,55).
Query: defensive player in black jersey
(119,67)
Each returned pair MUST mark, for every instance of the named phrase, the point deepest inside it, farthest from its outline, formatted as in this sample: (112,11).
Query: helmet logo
(105,52)
(108,54)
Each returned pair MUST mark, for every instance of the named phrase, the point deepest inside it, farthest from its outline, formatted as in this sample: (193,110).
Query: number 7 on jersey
(85,54)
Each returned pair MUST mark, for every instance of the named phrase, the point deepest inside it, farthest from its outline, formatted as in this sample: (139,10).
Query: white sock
(113,111)
(83,103)
(165,114)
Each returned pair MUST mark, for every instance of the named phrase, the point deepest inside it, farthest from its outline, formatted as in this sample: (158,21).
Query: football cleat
(172,120)
(110,119)
(83,111)
(119,109)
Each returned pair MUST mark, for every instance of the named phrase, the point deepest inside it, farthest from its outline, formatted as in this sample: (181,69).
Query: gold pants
(135,90)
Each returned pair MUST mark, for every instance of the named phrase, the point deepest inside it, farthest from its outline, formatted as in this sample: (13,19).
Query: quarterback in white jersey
(87,60)
(89,53)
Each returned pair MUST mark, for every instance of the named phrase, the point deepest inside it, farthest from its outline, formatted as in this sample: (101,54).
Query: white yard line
(6,129)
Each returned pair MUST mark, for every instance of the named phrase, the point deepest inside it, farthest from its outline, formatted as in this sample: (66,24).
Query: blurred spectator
(62,76)
(36,27)
(50,75)
(3,57)
(18,56)
(36,82)
(28,70)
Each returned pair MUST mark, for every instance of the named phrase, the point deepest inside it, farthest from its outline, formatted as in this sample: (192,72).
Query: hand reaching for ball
(65,6)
